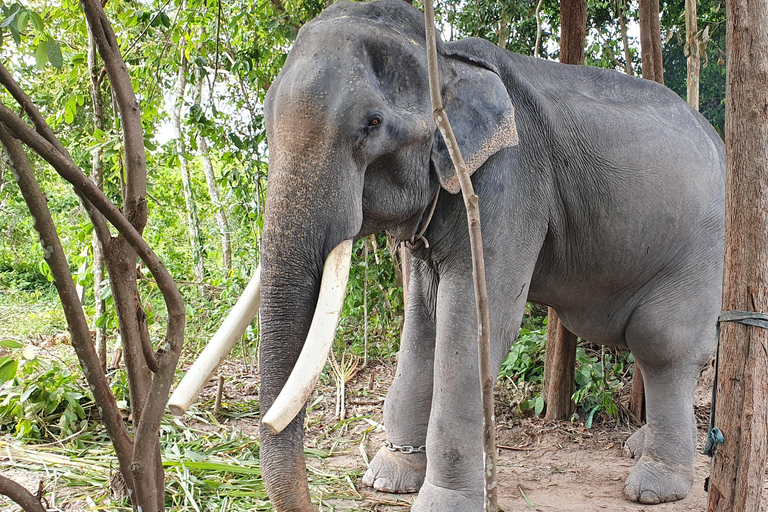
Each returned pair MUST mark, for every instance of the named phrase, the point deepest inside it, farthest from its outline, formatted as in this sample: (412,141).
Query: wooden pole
(653,69)
(559,366)
(559,369)
(471,202)
(692,53)
(738,467)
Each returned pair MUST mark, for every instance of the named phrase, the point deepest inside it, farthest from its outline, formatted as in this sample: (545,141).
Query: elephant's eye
(374,120)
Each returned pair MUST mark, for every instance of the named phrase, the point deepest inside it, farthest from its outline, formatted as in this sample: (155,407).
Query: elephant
(601,195)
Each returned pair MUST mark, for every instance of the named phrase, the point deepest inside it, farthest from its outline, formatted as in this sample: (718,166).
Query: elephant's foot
(396,471)
(654,482)
(633,447)
(432,498)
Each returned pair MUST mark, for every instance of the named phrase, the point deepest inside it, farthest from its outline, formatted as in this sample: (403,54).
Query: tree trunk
(650,41)
(213,190)
(559,369)
(559,366)
(503,30)
(97,175)
(620,8)
(738,467)
(186,183)
(637,395)
(692,51)
(653,69)
(537,14)
(573,16)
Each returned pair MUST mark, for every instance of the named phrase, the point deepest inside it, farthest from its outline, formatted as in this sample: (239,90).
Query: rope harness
(715,436)
(419,237)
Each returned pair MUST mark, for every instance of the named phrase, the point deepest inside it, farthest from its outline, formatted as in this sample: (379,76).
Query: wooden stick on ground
(471,202)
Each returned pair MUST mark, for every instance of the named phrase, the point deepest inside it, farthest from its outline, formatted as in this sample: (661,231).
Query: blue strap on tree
(715,436)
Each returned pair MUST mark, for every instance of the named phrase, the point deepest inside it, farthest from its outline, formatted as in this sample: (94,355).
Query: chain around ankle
(405,449)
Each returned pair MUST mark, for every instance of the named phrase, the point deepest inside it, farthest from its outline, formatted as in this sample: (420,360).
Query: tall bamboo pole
(471,202)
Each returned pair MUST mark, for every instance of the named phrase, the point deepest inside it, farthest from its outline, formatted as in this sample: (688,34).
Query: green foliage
(40,399)
(377,278)
(711,19)
(525,362)
(600,376)
(599,380)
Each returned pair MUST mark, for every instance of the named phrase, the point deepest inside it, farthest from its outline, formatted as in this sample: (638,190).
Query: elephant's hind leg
(408,403)
(670,349)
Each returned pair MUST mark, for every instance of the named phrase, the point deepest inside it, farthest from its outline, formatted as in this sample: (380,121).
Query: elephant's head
(353,150)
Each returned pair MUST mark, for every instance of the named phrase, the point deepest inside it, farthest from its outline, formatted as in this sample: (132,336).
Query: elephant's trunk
(300,231)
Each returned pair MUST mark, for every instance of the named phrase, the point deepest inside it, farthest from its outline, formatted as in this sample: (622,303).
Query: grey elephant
(601,195)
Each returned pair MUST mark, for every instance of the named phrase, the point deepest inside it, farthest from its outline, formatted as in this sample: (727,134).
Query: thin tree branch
(78,325)
(471,202)
(168,355)
(20,495)
(130,113)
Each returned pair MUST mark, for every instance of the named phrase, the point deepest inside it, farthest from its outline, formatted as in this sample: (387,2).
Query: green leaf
(23,19)
(11,344)
(591,416)
(8,369)
(54,54)
(37,21)
(29,353)
(102,320)
(11,18)
(41,55)
(538,405)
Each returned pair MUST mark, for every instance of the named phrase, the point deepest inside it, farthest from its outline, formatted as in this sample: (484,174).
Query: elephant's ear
(482,118)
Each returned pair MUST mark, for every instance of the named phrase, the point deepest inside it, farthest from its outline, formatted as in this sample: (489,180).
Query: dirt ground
(543,466)
(556,466)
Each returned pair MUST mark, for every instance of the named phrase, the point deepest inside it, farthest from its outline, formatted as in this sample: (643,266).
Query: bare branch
(78,325)
(130,113)
(21,496)
(471,202)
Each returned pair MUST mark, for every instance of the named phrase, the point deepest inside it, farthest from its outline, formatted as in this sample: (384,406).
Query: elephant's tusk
(311,361)
(218,348)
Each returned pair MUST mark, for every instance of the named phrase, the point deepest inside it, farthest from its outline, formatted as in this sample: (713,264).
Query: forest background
(200,72)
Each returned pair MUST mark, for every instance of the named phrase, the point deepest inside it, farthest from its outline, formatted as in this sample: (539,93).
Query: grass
(208,467)
(28,313)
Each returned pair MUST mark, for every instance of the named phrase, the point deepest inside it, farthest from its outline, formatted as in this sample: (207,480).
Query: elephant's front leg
(454,479)
(397,467)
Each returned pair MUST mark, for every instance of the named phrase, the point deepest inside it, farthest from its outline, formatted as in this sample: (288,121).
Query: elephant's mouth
(311,361)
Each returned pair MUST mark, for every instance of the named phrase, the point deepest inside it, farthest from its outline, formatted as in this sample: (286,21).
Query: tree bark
(97,175)
(620,8)
(692,51)
(559,369)
(20,495)
(472,204)
(537,14)
(738,467)
(650,41)
(573,29)
(559,364)
(637,395)
(186,184)
(148,393)
(503,30)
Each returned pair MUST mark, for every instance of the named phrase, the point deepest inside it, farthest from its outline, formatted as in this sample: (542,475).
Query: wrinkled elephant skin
(601,195)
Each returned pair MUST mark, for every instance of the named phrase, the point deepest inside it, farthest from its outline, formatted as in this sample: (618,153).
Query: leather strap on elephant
(419,237)
(715,436)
